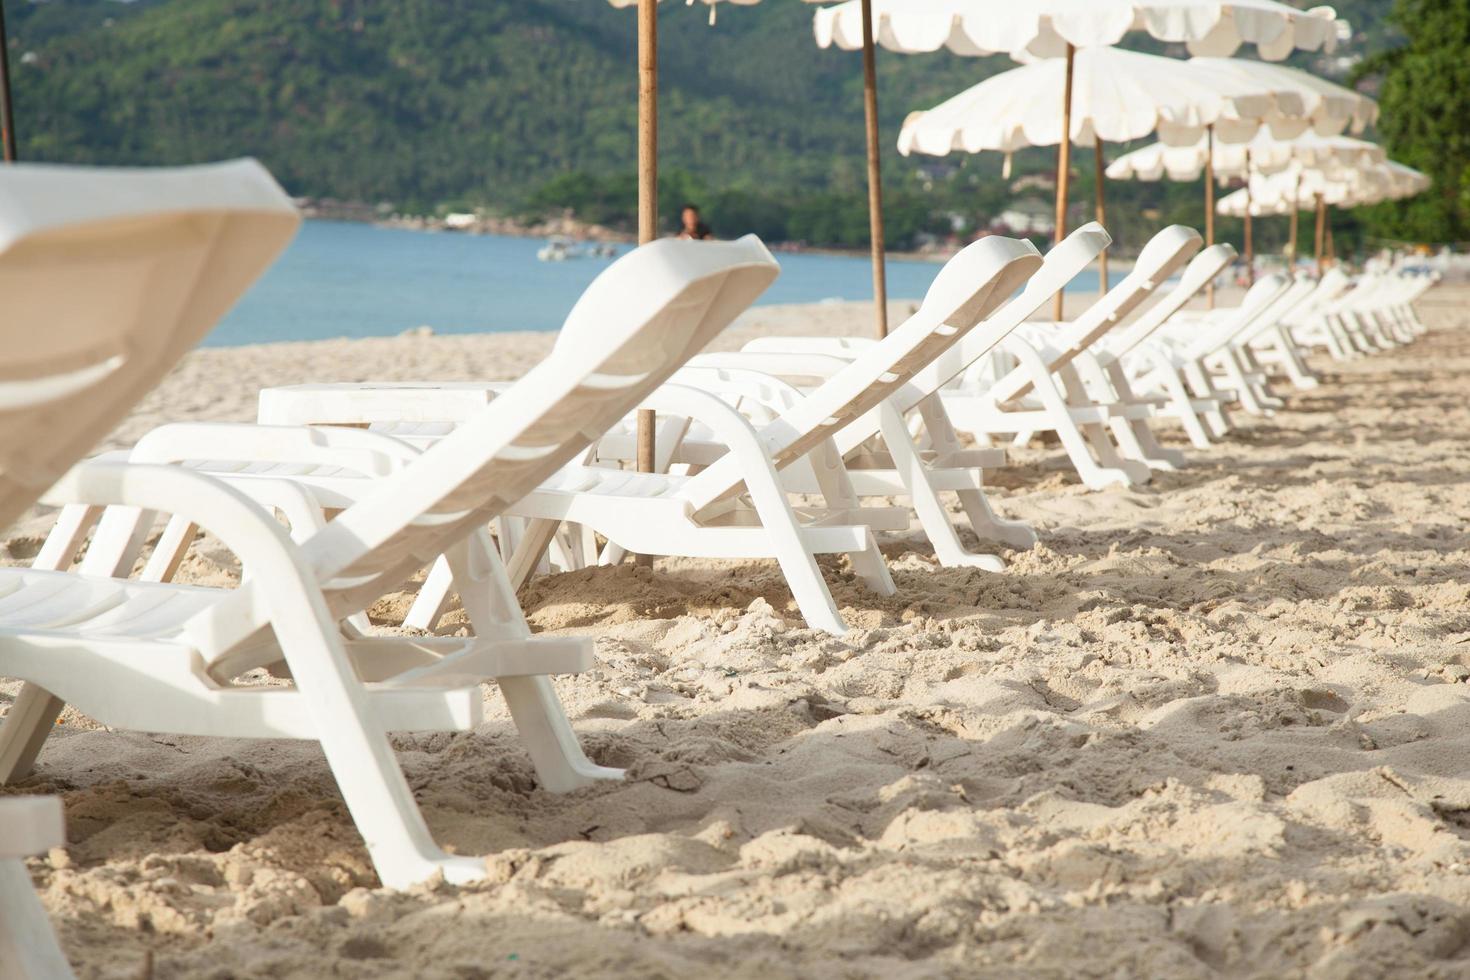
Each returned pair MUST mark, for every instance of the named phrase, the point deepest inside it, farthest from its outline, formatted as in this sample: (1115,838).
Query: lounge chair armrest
(363,404)
(791,364)
(775,394)
(252,533)
(722,418)
(848,347)
(370,453)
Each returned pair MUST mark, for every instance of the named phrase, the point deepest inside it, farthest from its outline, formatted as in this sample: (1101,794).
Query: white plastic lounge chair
(1177,365)
(1043,391)
(1103,379)
(29,825)
(108,277)
(1235,359)
(150,656)
(735,508)
(1378,312)
(883,457)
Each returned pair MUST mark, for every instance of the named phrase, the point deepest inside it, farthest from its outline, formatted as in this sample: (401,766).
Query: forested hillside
(517,105)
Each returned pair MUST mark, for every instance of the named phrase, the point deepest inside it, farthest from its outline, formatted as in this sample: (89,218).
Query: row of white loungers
(376,482)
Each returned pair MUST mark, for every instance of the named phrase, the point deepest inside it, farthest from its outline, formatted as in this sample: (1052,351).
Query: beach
(1215,725)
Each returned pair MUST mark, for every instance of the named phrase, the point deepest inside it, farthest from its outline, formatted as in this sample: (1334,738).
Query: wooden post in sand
(7,111)
(1250,246)
(1102,213)
(647,184)
(875,175)
(1321,241)
(1292,245)
(1210,204)
(1064,168)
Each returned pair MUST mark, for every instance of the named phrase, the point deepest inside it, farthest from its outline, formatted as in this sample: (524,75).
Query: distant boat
(560,248)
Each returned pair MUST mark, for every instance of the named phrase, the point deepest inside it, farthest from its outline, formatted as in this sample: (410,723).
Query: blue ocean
(340,279)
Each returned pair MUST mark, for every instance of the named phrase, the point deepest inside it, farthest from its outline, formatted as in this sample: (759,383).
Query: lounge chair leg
(990,526)
(31,719)
(1136,471)
(119,537)
(1141,433)
(433,596)
(1183,410)
(1201,386)
(358,752)
(1138,443)
(480,578)
(1291,360)
(1096,434)
(928,506)
(529,550)
(28,948)
(838,494)
(1094,475)
(33,715)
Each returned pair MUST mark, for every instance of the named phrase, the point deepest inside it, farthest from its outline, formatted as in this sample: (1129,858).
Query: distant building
(1044,182)
(1028,216)
(459,220)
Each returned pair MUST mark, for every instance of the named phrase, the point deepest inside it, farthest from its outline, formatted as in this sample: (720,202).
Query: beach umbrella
(1116,96)
(1057,28)
(1263,155)
(648,169)
(1283,192)
(649,108)
(7,114)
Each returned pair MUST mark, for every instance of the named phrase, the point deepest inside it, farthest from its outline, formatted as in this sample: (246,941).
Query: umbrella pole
(1330,247)
(647,184)
(7,112)
(1250,247)
(1291,239)
(1321,227)
(1102,214)
(1210,203)
(875,175)
(1064,167)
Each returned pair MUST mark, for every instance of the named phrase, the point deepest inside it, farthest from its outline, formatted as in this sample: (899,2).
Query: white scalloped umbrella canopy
(1330,154)
(689,3)
(1045,27)
(1280,193)
(1331,109)
(1117,96)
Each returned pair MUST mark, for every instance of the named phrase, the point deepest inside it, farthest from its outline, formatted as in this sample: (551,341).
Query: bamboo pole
(1064,166)
(1210,203)
(7,111)
(647,185)
(1250,247)
(1102,213)
(1321,227)
(875,174)
(1291,239)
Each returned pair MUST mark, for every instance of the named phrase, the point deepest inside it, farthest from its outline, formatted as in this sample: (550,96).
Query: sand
(1215,726)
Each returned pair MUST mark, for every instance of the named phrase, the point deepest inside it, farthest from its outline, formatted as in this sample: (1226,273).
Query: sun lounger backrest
(1164,254)
(107,277)
(1292,299)
(634,326)
(967,289)
(1063,263)
(1202,269)
(1258,302)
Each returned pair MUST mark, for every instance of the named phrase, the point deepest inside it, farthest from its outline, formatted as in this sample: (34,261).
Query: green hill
(517,105)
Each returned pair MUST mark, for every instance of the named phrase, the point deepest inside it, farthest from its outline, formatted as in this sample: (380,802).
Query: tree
(1425,101)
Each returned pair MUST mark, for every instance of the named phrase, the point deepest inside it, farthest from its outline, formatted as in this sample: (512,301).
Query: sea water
(339,279)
